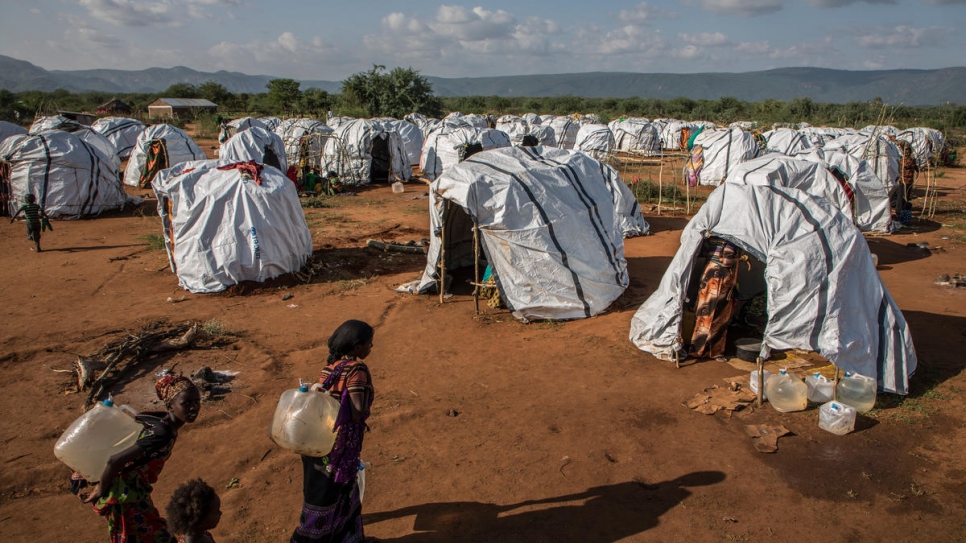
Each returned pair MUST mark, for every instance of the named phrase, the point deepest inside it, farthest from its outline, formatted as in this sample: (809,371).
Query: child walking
(332,508)
(33,215)
(194,509)
(123,494)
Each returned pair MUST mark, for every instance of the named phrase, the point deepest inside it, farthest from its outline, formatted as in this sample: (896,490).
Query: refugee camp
(454,272)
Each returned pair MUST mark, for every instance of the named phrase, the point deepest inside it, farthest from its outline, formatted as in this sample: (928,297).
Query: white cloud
(841,3)
(902,36)
(132,12)
(747,8)
(155,12)
(644,13)
(705,39)
(285,54)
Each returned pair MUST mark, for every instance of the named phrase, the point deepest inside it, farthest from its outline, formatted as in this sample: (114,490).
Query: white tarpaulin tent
(786,141)
(300,140)
(244,123)
(10,129)
(721,150)
(926,143)
(636,134)
(53,122)
(425,124)
(882,154)
(564,131)
(514,127)
(780,170)
(69,177)
(10,144)
(362,151)
(178,145)
(872,206)
(412,138)
(222,228)
(120,131)
(256,144)
(595,139)
(823,292)
(547,225)
(444,146)
(270,123)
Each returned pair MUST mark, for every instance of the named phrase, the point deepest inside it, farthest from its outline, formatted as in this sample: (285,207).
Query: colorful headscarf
(171,385)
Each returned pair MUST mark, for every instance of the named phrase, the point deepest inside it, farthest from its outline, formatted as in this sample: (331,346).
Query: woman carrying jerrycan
(332,509)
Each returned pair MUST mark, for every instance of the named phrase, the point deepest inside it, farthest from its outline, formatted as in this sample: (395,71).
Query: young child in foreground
(123,494)
(33,214)
(194,509)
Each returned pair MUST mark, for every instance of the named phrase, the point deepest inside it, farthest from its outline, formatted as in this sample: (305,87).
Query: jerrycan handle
(317,387)
(128,410)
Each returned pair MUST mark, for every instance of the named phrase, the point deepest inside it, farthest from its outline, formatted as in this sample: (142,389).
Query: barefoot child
(123,494)
(33,215)
(332,509)
(194,509)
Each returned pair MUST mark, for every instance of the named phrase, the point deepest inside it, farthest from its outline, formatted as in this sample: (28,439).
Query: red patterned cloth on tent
(252,168)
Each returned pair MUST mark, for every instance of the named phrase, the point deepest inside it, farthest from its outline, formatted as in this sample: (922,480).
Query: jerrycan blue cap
(783,371)
(817,374)
(109,402)
(303,388)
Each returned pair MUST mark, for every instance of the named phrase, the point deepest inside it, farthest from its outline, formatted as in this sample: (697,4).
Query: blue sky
(329,40)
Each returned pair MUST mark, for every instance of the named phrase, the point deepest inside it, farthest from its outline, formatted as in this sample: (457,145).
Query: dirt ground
(483,428)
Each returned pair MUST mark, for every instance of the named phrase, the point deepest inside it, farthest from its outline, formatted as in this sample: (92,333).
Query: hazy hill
(910,87)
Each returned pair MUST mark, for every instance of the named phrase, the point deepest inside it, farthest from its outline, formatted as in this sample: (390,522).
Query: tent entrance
(748,299)
(463,257)
(381,165)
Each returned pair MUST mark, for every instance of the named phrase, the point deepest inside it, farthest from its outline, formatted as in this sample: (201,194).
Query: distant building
(174,108)
(114,107)
(85,119)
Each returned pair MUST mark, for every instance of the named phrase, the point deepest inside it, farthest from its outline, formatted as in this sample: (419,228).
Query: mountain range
(908,87)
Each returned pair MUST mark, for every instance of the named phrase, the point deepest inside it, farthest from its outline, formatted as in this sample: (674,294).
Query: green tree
(393,94)
(317,101)
(284,94)
(214,92)
(181,90)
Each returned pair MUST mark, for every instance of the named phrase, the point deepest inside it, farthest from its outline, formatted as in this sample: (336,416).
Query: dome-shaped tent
(121,132)
(69,177)
(224,225)
(786,141)
(158,147)
(715,152)
(53,122)
(879,152)
(547,224)
(271,123)
(812,178)
(363,151)
(564,131)
(823,292)
(10,129)
(636,134)
(596,140)
(256,144)
(303,139)
(446,146)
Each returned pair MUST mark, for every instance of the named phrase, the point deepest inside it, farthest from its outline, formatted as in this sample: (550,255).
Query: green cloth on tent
(694,136)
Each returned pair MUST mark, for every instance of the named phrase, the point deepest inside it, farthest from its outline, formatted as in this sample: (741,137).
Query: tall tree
(284,93)
(391,94)
(181,90)
(214,92)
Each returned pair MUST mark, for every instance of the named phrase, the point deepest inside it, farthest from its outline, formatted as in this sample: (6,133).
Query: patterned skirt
(331,512)
(713,311)
(131,515)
